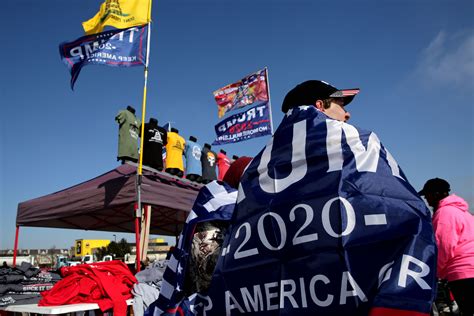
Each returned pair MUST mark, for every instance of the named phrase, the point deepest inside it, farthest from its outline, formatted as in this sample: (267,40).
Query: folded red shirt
(108,284)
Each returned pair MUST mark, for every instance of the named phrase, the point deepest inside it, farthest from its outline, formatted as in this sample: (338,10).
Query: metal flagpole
(269,102)
(138,211)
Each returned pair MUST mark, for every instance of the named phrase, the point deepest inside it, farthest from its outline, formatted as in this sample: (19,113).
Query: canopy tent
(107,203)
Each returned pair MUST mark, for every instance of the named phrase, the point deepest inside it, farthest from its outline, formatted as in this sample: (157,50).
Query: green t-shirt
(128,135)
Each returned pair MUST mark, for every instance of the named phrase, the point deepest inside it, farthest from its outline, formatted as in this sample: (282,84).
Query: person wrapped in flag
(326,223)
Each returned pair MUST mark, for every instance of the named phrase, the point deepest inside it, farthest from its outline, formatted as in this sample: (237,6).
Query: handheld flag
(119,14)
(215,201)
(117,48)
(249,90)
(252,123)
(326,223)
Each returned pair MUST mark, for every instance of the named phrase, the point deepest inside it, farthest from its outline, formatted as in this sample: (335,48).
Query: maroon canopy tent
(107,203)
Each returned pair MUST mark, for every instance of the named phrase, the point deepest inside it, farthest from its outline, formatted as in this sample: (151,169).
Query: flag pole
(269,99)
(138,213)
(140,163)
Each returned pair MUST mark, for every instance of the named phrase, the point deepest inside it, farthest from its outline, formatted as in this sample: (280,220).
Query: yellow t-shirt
(174,151)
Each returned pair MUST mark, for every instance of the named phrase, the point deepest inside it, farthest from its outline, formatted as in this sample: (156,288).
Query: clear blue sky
(413,60)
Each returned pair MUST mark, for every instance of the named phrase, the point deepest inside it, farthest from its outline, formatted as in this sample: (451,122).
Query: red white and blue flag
(249,90)
(251,123)
(116,48)
(326,223)
(215,201)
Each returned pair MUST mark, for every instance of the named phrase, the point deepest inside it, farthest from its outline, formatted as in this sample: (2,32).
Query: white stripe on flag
(180,241)
(221,197)
(375,219)
(191,216)
(241,195)
(166,289)
(215,188)
(173,263)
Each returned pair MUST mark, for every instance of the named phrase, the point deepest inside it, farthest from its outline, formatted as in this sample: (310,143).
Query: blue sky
(413,60)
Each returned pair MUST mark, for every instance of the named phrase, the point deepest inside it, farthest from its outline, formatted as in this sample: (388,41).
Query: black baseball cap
(435,185)
(308,92)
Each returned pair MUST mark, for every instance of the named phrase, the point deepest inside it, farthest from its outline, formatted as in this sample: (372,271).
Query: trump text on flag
(254,122)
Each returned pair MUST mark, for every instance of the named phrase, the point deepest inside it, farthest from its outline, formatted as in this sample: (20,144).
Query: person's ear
(319,105)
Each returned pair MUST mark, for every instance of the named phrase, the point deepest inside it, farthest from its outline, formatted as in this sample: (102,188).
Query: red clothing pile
(108,284)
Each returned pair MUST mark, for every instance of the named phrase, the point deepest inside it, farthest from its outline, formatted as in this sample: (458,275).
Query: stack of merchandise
(108,284)
(23,284)
(148,288)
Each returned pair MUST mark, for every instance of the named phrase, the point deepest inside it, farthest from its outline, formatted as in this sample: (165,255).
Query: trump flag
(248,90)
(117,48)
(215,201)
(326,223)
(254,122)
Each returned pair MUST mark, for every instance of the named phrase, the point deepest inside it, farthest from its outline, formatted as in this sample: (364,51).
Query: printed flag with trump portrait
(249,90)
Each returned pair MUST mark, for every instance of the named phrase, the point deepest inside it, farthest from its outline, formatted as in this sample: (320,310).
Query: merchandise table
(73,309)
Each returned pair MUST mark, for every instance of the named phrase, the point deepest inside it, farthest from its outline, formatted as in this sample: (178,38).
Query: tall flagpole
(269,102)
(138,211)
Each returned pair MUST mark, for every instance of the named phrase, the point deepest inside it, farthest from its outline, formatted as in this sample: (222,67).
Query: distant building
(35,252)
(37,257)
(157,249)
(88,246)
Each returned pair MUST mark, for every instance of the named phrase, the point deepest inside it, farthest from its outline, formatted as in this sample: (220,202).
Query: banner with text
(252,123)
(251,89)
(120,14)
(117,48)
(326,223)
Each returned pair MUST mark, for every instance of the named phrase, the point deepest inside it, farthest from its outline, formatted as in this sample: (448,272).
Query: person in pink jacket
(453,226)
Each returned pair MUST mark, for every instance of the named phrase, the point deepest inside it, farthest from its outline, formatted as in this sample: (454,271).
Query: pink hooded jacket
(454,231)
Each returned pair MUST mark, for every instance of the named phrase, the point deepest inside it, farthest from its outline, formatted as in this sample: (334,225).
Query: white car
(107,258)
(89,259)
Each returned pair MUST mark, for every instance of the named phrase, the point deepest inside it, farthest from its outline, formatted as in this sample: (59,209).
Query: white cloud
(448,59)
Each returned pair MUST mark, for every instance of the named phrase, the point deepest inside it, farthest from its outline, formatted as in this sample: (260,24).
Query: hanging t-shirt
(174,151)
(208,163)
(223,164)
(128,135)
(154,140)
(192,153)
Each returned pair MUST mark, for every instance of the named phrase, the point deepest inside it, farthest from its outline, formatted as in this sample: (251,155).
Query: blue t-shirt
(192,153)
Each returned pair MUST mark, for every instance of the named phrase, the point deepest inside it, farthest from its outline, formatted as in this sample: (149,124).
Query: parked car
(89,259)
(61,261)
(107,258)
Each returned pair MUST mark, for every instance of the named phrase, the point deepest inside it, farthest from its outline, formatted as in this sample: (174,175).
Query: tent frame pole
(15,247)
(137,238)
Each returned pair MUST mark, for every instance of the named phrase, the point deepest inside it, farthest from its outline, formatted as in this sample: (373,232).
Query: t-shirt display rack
(175,168)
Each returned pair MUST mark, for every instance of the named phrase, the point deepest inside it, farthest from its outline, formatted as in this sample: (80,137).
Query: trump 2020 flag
(120,14)
(249,90)
(117,48)
(251,123)
(215,201)
(326,223)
